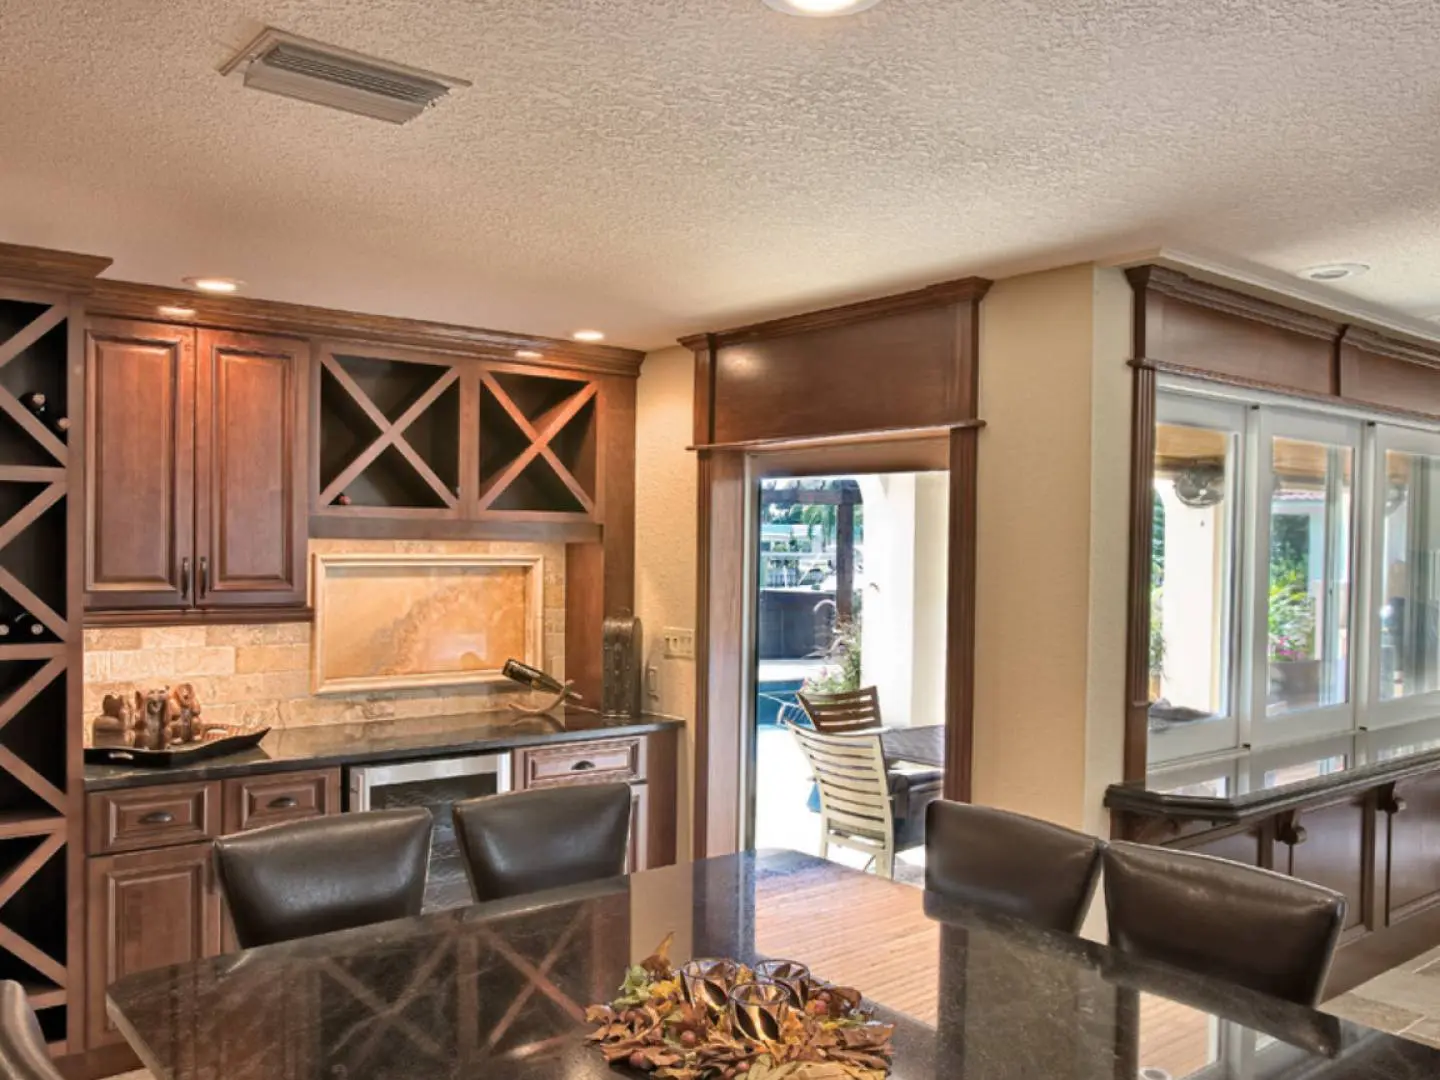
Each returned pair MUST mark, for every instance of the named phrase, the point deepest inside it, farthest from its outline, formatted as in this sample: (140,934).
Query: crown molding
(1284,289)
(962,290)
(1167,282)
(131,300)
(43,266)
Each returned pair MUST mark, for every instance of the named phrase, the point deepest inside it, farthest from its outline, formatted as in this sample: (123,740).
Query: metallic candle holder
(707,983)
(761,1009)
(790,974)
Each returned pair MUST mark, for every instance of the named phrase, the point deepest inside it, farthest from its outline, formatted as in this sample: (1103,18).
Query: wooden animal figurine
(113,726)
(150,720)
(182,716)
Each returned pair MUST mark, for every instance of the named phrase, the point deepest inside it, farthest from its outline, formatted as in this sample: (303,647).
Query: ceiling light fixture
(1334,271)
(820,9)
(527,354)
(175,311)
(214,284)
(588,335)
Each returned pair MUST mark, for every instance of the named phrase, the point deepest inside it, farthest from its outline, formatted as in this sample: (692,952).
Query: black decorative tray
(180,755)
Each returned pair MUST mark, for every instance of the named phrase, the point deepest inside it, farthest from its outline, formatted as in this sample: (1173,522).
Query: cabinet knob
(185,578)
(282,802)
(582,765)
(204,577)
(158,817)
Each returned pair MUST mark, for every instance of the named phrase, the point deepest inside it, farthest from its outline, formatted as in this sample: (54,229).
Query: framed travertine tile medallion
(390,622)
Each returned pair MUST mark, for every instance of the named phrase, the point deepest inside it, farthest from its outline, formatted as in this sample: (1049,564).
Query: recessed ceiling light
(528,354)
(588,335)
(214,284)
(1333,271)
(820,9)
(175,311)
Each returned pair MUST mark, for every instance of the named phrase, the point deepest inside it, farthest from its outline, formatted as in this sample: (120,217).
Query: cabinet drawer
(151,817)
(580,763)
(253,801)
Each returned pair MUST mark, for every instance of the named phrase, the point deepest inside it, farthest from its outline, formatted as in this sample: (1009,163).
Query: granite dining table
(497,991)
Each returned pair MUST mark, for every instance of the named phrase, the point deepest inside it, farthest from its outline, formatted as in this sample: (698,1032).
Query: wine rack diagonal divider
(38,328)
(25,693)
(41,933)
(391,433)
(16,877)
(539,442)
(33,427)
(30,512)
(38,959)
(9,583)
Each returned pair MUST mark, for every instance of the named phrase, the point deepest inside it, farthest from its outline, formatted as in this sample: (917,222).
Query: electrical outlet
(679,644)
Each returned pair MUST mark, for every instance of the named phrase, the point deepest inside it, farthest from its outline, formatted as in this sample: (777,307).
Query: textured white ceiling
(654,167)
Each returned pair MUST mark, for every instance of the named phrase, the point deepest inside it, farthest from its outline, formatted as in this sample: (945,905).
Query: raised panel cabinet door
(145,910)
(249,468)
(139,465)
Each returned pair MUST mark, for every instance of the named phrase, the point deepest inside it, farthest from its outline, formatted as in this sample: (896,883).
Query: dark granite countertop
(1264,781)
(383,740)
(497,990)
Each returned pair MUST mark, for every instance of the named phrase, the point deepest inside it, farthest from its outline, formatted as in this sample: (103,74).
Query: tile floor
(1403,1001)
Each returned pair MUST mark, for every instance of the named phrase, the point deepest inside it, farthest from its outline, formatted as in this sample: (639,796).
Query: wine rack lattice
(39,648)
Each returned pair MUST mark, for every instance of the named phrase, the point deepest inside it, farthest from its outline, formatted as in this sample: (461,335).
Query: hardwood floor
(795,918)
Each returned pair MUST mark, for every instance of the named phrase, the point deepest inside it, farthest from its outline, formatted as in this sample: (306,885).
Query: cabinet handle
(185,578)
(582,765)
(158,817)
(204,577)
(282,802)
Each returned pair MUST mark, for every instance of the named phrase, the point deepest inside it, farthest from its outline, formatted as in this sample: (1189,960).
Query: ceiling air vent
(296,67)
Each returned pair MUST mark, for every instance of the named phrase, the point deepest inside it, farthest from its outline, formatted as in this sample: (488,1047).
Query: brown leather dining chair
(1010,864)
(1256,928)
(23,1054)
(526,841)
(837,714)
(311,877)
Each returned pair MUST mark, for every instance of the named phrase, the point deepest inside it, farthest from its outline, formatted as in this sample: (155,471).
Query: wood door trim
(849,438)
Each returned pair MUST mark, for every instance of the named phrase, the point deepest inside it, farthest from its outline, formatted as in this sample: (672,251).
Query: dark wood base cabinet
(1377,842)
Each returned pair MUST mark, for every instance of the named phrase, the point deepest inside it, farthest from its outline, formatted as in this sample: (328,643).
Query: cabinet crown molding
(43,266)
(1166,282)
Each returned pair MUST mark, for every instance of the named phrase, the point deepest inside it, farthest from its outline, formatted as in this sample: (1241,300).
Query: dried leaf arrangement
(151,720)
(652,1027)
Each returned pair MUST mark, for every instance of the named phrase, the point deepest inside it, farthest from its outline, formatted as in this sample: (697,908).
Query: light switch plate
(679,643)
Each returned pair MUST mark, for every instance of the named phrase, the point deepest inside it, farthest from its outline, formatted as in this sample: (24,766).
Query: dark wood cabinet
(146,909)
(196,463)
(249,470)
(140,459)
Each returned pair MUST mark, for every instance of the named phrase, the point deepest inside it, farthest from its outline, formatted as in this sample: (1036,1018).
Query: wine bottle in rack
(36,402)
(61,426)
(23,624)
(342,499)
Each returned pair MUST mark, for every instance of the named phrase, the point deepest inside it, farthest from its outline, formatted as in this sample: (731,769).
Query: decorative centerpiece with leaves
(717,1020)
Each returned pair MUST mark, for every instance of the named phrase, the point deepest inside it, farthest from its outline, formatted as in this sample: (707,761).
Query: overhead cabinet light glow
(819,9)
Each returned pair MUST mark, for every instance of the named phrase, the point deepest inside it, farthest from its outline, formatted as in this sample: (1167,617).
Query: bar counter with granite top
(1356,812)
(499,990)
(377,741)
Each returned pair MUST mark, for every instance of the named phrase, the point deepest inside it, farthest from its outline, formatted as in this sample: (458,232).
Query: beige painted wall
(665,523)
(1051,551)
(261,673)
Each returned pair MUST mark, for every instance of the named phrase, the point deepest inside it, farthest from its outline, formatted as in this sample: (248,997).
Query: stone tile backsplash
(261,673)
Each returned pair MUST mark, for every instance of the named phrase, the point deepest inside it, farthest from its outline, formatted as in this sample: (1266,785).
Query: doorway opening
(850,594)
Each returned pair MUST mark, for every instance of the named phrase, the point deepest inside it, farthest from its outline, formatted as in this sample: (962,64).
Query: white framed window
(1194,643)
(1302,566)
(1295,576)
(1403,678)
